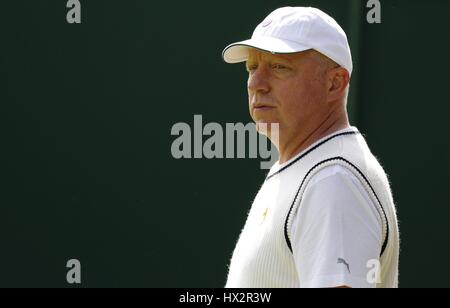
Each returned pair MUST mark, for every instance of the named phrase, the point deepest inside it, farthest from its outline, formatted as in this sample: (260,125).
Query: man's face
(288,89)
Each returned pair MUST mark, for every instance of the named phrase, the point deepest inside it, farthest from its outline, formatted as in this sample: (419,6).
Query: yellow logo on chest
(264,215)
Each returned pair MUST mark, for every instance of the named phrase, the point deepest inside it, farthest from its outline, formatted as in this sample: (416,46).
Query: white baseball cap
(295,29)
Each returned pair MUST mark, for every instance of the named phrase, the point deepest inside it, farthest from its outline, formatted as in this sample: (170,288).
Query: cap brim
(238,52)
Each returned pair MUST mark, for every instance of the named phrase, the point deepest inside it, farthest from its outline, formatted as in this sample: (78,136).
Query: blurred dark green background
(87,111)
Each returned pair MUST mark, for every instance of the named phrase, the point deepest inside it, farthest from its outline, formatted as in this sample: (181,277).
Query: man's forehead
(257,54)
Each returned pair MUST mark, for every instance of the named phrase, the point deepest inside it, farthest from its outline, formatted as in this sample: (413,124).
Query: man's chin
(262,127)
(268,129)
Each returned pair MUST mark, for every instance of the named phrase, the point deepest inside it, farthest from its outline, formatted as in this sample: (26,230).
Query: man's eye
(279,67)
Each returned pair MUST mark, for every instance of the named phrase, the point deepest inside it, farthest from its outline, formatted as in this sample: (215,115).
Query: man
(324,216)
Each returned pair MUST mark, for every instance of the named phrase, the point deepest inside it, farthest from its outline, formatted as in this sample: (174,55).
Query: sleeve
(336,231)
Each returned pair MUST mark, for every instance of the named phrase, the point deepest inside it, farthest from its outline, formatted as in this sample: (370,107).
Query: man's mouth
(262,107)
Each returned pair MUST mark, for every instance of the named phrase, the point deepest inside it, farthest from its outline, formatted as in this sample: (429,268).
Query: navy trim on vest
(310,150)
(288,242)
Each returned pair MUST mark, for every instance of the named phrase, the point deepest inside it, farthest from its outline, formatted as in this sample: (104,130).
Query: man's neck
(290,148)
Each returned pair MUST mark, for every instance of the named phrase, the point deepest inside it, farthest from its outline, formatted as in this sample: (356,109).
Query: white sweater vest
(263,258)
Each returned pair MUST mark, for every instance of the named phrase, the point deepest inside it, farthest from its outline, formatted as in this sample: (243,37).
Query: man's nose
(258,80)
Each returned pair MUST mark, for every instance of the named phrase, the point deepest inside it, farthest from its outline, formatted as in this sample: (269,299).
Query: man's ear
(338,79)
